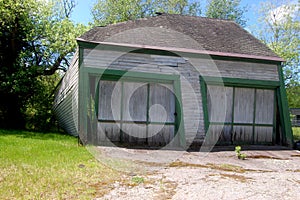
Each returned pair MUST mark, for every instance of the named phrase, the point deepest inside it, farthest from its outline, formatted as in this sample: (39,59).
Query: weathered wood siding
(135,112)
(190,68)
(240,115)
(66,99)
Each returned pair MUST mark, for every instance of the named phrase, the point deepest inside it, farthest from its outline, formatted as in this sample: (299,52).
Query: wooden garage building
(174,80)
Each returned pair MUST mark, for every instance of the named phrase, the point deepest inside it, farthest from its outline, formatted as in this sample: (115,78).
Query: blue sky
(82,12)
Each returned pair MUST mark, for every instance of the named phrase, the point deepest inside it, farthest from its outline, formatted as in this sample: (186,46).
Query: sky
(82,12)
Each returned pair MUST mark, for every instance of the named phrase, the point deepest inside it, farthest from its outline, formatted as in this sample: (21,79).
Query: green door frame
(111,74)
(257,84)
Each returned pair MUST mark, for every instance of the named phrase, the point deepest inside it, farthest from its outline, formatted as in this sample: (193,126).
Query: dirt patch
(236,177)
(265,157)
(216,175)
(222,167)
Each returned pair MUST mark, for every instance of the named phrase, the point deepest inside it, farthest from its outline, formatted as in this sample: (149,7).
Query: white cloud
(280,14)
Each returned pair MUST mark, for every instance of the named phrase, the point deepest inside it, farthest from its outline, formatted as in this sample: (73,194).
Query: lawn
(49,166)
(296,133)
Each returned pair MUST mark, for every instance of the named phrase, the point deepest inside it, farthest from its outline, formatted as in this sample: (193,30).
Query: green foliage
(39,114)
(279,28)
(109,11)
(49,166)
(296,133)
(226,9)
(37,38)
(240,155)
(293,95)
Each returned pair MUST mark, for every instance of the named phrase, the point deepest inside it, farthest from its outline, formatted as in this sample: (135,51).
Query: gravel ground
(265,174)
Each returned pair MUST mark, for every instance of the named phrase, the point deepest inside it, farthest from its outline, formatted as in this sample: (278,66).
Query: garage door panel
(264,106)
(134,101)
(219,133)
(219,103)
(162,103)
(244,105)
(242,134)
(160,134)
(263,134)
(109,94)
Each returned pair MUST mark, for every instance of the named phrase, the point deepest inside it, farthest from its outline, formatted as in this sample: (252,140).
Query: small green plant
(137,180)
(239,154)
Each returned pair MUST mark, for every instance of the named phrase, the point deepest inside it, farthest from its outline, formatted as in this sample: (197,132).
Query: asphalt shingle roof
(184,32)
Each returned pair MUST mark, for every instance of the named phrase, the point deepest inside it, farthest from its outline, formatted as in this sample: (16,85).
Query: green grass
(49,166)
(296,133)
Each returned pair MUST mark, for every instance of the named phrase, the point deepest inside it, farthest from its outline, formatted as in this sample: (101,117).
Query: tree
(226,9)
(37,38)
(109,11)
(279,29)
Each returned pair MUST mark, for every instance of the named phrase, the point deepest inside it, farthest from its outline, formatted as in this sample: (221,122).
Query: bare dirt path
(268,174)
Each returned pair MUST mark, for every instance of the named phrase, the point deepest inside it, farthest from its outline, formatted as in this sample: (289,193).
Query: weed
(240,155)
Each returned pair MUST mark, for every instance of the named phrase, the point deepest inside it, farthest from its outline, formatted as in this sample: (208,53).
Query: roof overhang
(185,50)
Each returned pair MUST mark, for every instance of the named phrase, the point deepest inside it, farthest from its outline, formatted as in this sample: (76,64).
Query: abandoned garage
(173,80)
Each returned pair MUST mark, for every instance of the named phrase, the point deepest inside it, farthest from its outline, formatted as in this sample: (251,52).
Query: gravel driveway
(265,174)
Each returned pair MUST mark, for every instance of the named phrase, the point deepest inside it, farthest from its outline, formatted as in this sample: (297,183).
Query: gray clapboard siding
(66,99)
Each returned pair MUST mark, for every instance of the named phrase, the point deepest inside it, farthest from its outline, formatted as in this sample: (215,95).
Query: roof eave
(185,50)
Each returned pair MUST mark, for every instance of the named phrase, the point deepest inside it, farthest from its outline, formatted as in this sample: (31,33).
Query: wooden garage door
(240,115)
(136,112)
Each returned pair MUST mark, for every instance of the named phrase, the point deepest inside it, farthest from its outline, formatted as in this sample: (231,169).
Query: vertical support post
(284,111)
(204,103)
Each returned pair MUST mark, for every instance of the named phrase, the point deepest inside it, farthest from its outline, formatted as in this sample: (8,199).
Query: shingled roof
(183,33)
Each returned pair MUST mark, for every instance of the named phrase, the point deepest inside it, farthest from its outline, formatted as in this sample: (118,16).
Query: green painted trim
(135,122)
(80,59)
(87,45)
(83,105)
(284,111)
(112,74)
(240,124)
(97,100)
(203,88)
(251,60)
(238,82)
